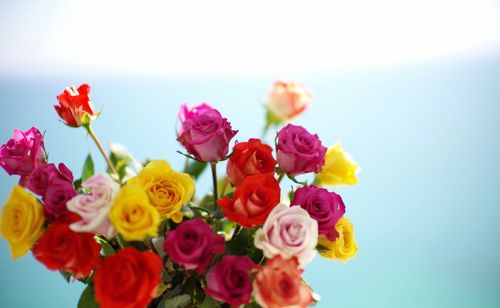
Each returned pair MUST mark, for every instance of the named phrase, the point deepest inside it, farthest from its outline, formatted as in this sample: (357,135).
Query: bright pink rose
(299,151)
(193,245)
(59,192)
(205,133)
(325,207)
(23,153)
(229,280)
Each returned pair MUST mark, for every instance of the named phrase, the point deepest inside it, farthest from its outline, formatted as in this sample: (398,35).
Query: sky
(227,36)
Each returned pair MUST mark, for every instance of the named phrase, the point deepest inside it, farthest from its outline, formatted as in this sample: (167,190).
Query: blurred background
(411,88)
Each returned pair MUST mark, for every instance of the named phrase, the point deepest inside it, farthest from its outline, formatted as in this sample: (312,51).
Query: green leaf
(106,248)
(195,168)
(88,168)
(66,275)
(209,302)
(87,299)
(179,301)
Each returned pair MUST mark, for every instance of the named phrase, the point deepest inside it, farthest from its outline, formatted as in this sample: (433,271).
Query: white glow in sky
(163,37)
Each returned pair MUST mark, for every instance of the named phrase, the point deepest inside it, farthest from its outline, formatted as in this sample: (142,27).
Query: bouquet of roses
(138,236)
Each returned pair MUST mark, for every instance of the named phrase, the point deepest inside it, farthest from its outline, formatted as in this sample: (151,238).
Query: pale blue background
(426,210)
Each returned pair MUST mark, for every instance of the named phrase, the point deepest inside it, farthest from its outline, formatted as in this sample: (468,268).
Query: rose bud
(75,108)
(287,100)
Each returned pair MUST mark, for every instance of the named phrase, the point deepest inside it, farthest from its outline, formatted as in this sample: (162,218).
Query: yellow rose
(344,247)
(339,168)
(132,215)
(21,221)
(167,189)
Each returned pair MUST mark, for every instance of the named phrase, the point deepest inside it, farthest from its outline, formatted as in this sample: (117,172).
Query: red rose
(253,200)
(127,279)
(250,158)
(59,248)
(75,108)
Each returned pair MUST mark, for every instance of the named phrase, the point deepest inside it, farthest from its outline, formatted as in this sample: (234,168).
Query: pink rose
(289,232)
(205,133)
(193,245)
(59,192)
(21,154)
(288,99)
(94,207)
(325,207)
(229,280)
(299,151)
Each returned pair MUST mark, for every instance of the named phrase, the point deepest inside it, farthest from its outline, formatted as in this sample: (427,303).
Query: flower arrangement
(145,239)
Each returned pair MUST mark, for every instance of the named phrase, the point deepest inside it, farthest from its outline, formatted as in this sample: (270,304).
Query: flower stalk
(90,131)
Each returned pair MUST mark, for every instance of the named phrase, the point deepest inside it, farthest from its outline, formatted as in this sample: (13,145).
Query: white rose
(289,232)
(94,207)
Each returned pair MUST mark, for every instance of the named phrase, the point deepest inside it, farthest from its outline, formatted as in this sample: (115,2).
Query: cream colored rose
(287,100)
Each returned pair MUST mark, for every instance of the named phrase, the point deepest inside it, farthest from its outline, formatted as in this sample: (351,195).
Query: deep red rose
(58,192)
(59,248)
(193,245)
(250,158)
(127,279)
(75,108)
(253,200)
(229,280)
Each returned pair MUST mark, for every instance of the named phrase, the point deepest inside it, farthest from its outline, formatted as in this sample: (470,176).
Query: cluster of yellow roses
(155,194)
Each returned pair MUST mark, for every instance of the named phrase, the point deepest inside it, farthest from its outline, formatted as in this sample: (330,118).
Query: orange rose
(279,285)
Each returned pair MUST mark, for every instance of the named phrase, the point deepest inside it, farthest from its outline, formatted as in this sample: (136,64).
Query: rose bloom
(279,285)
(59,248)
(21,221)
(288,99)
(289,232)
(193,245)
(205,133)
(75,108)
(229,280)
(344,247)
(299,151)
(249,158)
(327,208)
(132,215)
(167,189)
(94,207)
(252,201)
(59,192)
(23,152)
(339,168)
(40,178)
(127,279)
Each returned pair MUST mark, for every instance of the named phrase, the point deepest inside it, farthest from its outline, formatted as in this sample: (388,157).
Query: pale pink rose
(288,99)
(288,232)
(94,207)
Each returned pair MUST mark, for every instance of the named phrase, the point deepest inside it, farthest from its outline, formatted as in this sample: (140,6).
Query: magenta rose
(229,280)
(23,152)
(205,133)
(193,245)
(323,206)
(299,151)
(41,177)
(58,193)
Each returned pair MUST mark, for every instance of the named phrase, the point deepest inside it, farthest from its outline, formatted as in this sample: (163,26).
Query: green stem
(101,149)
(236,231)
(213,166)
(281,177)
